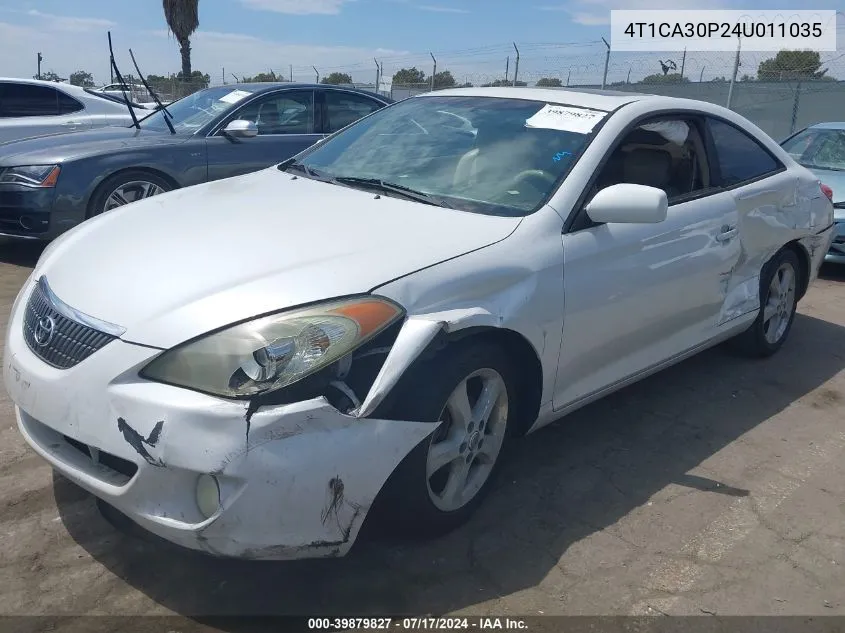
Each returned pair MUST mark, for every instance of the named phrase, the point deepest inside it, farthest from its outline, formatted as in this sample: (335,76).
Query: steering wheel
(532,174)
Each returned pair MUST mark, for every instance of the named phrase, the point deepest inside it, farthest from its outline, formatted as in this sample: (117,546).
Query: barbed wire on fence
(793,83)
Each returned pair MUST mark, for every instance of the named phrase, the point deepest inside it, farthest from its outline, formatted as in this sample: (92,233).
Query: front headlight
(31,175)
(273,351)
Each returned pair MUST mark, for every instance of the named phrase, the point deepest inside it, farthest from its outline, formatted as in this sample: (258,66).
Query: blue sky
(470,37)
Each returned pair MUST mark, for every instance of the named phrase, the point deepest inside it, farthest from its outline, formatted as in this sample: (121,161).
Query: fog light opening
(208,495)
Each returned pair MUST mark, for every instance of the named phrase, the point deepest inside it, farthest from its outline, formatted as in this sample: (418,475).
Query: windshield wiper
(167,115)
(135,123)
(310,172)
(389,187)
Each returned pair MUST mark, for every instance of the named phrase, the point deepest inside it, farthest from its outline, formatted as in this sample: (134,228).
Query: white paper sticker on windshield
(566,119)
(234,96)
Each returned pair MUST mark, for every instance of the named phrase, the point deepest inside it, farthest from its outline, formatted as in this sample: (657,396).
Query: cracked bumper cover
(299,486)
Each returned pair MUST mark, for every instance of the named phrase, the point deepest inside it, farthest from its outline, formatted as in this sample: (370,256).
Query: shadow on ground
(559,486)
(20,252)
(833,272)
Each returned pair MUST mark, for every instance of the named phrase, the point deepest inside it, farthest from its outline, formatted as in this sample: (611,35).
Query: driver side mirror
(628,204)
(241,129)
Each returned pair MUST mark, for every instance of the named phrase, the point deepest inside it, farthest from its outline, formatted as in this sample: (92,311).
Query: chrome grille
(55,337)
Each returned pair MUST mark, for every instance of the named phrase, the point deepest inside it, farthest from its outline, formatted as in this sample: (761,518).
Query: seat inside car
(268,120)
(651,167)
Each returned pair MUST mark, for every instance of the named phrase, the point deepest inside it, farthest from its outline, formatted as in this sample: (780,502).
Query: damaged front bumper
(294,481)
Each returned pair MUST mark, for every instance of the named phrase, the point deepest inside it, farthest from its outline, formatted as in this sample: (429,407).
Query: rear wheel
(469,389)
(778,302)
(126,187)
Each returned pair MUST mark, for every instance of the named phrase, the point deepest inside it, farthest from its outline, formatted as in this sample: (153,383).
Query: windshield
(818,148)
(480,154)
(196,110)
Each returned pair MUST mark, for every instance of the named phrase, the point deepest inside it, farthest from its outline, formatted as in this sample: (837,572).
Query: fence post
(733,77)
(318,73)
(795,101)
(516,66)
(568,76)
(606,64)
(378,75)
(433,72)
(683,63)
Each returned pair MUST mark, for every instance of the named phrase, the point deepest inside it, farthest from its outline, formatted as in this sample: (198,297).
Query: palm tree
(182,19)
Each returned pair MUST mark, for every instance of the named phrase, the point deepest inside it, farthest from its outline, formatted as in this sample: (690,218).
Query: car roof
(264,86)
(607,100)
(254,87)
(43,82)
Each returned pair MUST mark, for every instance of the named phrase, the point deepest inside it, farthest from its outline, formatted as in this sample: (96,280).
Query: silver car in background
(821,149)
(31,107)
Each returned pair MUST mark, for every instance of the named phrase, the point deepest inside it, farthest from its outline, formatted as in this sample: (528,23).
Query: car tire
(417,500)
(778,302)
(143,184)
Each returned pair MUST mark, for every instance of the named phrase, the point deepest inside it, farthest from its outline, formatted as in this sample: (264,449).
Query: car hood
(58,148)
(183,263)
(836,181)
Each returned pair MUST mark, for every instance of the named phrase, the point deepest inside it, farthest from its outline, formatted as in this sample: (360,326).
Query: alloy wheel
(780,303)
(465,447)
(131,192)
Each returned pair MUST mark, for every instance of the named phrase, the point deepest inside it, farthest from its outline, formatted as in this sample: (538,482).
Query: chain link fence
(779,91)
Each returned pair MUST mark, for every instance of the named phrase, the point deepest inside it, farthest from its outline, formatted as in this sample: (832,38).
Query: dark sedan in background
(49,184)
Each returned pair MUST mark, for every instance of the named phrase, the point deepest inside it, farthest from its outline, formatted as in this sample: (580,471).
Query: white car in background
(136,93)
(253,366)
(29,107)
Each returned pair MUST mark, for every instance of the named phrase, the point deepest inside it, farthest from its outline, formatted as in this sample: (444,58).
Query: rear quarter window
(21,100)
(740,157)
(68,105)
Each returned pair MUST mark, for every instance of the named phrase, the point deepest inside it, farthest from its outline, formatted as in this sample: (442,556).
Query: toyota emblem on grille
(45,329)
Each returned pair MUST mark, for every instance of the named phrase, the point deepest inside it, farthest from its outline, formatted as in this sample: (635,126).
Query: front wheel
(778,303)
(469,389)
(126,187)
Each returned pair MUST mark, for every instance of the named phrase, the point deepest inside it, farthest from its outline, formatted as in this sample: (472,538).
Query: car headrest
(646,166)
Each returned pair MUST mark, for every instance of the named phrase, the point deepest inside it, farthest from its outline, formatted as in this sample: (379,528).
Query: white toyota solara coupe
(252,367)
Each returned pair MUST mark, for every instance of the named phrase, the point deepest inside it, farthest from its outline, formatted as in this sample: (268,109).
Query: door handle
(727,234)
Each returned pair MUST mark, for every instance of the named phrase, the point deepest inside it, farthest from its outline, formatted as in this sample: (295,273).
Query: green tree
(49,76)
(670,78)
(182,18)
(502,82)
(262,78)
(337,79)
(747,78)
(196,77)
(549,82)
(408,76)
(443,80)
(792,65)
(82,78)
